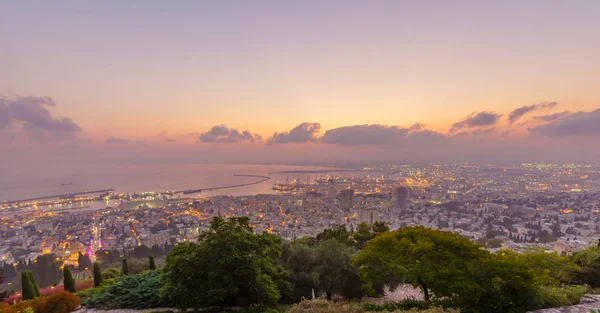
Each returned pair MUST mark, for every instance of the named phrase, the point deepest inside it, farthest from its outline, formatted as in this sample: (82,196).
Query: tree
(27,287)
(47,270)
(589,262)
(125,267)
(230,265)
(363,234)
(34,283)
(97,274)
(336,271)
(68,281)
(339,233)
(84,261)
(380,227)
(433,260)
(151,263)
(301,262)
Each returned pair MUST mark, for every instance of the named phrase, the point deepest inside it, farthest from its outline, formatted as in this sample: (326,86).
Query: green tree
(97,274)
(125,267)
(589,262)
(68,281)
(34,283)
(301,262)
(151,263)
(432,260)
(27,287)
(339,233)
(380,228)
(336,273)
(362,234)
(230,265)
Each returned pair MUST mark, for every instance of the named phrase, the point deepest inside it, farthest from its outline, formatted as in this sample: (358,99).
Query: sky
(299,81)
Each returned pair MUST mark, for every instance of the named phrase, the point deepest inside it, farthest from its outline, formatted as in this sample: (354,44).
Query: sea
(137,178)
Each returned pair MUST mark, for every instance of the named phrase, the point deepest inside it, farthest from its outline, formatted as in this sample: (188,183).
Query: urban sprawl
(522,207)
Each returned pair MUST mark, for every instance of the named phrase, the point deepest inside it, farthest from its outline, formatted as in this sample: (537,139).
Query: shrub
(139,291)
(93,292)
(406,304)
(324,306)
(61,302)
(111,273)
(552,296)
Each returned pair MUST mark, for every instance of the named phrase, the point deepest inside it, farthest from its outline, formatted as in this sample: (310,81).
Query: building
(346,199)
(401,197)
(368,215)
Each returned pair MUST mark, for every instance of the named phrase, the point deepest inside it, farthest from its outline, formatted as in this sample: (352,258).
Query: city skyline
(276,82)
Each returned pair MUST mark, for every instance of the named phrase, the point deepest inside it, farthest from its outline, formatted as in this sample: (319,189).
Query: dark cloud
(31,115)
(519,112)
(579,123)
(305,132)
(477,120)
(115,140)
(551,117)
(371,134)
(224,134)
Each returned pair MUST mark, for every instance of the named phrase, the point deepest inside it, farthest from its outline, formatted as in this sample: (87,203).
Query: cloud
(224,134)
(519,112)
(31,115)
(551,117)
(477,120)
(368,134)
(478,132)
(305,132)
(115,140)
(578,123)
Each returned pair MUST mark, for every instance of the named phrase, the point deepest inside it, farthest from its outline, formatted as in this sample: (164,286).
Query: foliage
(406,304)
(111,273)
(338,233)
(68,281)
(84,262)
(336,273)
(230,265)
(433,260)
(61,302)
(151,264)
(27,287)
(324,306)
(125,267)
(139,291)
(97,274)
(589,261)
(553,296)
(95,291)
(550,268)
(80,285)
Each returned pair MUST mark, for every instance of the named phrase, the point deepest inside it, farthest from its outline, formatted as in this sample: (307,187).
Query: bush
(93,292)
(552,297)
(324,306)
(61,302)
(111,273)
(131,292)
(406,304)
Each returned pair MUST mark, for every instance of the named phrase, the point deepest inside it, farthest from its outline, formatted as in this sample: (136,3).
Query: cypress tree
(97,275)
(152,265)
(27,288)
(125,269)
(34,283)
(68,280)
